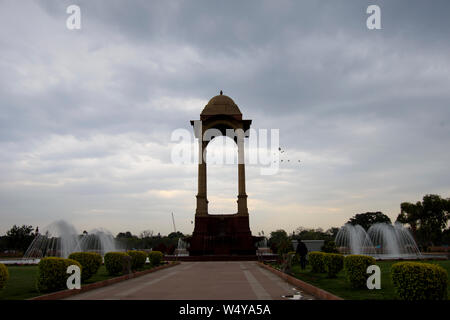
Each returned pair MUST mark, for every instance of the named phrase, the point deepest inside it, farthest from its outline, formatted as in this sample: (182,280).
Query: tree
(19,238)
(174,235)
(278,238)
(410,214)
(427,219)
(366,220)
(446,236)
(332,232)
(127,235)
(146,234)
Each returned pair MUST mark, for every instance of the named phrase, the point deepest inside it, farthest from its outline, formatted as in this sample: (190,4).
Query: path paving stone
(229,280)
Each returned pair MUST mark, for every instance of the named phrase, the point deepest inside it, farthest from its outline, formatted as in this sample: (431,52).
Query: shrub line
(309,288)
(67,293)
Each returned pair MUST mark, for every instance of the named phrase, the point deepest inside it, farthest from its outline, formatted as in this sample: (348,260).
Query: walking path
(229,280)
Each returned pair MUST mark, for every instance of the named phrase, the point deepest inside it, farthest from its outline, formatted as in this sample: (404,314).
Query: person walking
(302,251)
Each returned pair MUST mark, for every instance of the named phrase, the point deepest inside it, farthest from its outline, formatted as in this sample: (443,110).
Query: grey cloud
(367,109)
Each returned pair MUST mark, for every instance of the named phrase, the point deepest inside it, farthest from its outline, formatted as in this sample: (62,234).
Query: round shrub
(52,273)
(90,261)
(116,262)
(155,257)
(419,281)
(355,267)
(333,264)
(137,259)
(317,261)
(4,275)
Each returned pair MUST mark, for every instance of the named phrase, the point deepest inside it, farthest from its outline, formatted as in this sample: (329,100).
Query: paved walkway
(230,280)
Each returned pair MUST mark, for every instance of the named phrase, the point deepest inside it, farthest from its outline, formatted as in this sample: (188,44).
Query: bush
(116,262)
(355,267)
(333,263)
(137,259)
(155,257)
(295,257)
(419,281)
(317,261)
(52,274)
(329,247)
(90,262)
(284,246)
(4,275)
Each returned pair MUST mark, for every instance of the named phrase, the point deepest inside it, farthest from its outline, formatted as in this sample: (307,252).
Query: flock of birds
(281,152)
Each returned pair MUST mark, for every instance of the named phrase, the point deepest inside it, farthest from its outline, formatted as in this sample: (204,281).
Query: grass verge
(340,287)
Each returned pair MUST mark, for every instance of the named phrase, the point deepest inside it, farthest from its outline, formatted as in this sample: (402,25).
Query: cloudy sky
(86,116)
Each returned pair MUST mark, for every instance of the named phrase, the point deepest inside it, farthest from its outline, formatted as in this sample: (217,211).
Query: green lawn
(22,282)
(340,287)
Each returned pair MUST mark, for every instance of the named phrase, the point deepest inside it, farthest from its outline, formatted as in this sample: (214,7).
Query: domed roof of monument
(221,104)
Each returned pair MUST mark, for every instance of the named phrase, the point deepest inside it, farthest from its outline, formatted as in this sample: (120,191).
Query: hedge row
(121,262)
(155,257)
(322,262)
(411,280)
(419,281)
(333,264)
(4,275)
(138,259)
(117,262)
(52,273)
(355,267)
(90,263)
(317,261)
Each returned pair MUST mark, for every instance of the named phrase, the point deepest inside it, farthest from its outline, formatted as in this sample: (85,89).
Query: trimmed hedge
(355,267)
(137,259)
(52,273)
(419,281)
(116,262)
(317,261)
(333,264)
(4,275)
(155,257)
(90,261)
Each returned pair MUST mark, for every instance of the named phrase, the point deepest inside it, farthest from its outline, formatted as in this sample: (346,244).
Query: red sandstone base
(222,235)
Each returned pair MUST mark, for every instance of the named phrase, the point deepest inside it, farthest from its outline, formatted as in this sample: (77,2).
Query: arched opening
(222,175)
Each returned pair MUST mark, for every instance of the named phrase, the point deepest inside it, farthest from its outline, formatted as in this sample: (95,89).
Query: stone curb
(317,292)
(67,293)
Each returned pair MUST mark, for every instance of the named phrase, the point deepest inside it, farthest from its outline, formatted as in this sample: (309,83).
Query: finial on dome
(221,92)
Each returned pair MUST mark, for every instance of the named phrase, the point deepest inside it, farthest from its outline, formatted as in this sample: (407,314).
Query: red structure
(221,234)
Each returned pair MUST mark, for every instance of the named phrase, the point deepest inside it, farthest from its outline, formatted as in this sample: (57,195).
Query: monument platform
(225,235)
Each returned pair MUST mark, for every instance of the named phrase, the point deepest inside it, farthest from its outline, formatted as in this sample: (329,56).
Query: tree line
(427,220)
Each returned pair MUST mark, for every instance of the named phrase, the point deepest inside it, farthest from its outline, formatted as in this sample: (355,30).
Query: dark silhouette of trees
(427,218)
(19,238)
(366,220)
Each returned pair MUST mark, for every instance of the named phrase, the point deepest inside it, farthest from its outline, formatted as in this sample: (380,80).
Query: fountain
(393,241)
(98,240)
(353,239)
(181,250)
(262,248)
(382,241)
(60,239)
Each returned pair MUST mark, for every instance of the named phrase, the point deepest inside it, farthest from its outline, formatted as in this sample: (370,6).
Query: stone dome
(221,104)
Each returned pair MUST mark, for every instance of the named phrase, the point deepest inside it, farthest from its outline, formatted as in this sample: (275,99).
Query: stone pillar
(242,196)
(202,201)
